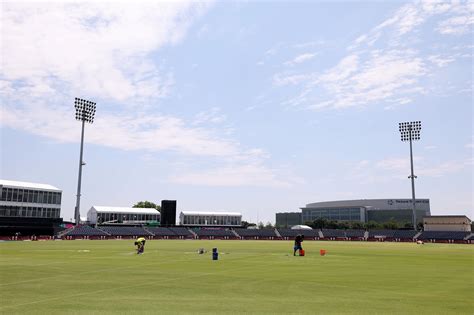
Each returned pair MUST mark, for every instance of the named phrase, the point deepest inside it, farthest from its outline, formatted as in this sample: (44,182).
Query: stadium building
(287,219)
(365,210)
(190,218)
(29,208)
(122,215)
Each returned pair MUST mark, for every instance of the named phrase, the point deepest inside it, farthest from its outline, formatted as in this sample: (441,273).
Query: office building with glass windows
(191,218)
(122,215)
(29,208)
(365,210)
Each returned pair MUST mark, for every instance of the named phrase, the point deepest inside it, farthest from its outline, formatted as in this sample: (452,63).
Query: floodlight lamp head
(410,130)
(85,110)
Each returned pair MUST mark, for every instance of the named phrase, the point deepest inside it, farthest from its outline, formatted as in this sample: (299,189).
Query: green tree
(372,225)
(269,226)
(343,225)
(246,224)
(260,225)
(147,204)
(391,225)
(357,225)
(332,225)
(420,226)
(408,225)
(319,223)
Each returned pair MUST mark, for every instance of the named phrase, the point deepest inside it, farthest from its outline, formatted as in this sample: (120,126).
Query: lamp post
(410,131)
(85,111)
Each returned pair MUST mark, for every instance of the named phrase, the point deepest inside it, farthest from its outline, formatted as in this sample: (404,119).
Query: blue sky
(255,107)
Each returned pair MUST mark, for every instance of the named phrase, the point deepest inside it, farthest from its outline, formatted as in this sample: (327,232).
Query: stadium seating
(161,231)
(392,234)
(125,231)
(85,230)
(471,238)
(332,233)
(354,233)
(443,235)
(404,234)
(214,233)
(256,233)
(290,233)
(181,231)
(382,234)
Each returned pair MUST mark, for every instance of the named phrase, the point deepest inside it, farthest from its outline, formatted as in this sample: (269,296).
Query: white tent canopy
(301,227)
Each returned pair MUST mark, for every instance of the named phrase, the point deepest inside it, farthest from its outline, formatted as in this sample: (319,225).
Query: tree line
(322,223)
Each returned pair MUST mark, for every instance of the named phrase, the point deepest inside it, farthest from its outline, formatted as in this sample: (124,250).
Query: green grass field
(106,277)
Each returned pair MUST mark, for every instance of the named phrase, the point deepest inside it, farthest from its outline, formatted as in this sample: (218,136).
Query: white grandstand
(122,215)
(194,218)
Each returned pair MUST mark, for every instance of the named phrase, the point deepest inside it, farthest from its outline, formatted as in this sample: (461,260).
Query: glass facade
(336,214)
(401,216)
(33,203)
(214,220)
(30,196)
(32,212)
(111,217)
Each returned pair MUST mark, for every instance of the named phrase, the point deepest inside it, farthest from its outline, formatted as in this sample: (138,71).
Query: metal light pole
(410,131)
(85,111)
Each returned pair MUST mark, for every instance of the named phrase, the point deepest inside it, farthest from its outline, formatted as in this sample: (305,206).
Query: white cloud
(310,44)
(411,16)
(233,165)
(102,51)
(444,168)
(399,168)
(441,61)
(281,79)
(395,164)
(342,70)
(96,48)
(381,68)
(212,115)
(430,147)
(457,25)
(383,76)
(234,175)
(149,132)
(300,59)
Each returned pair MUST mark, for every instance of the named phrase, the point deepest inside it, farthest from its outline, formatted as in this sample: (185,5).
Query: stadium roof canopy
(12,183)
(211,213)
(105,209)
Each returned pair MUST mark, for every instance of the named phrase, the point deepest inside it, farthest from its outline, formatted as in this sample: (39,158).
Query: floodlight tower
(410,131)
(85,111)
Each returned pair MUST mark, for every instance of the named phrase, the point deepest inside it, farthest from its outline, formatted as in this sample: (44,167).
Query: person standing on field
(298,240)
